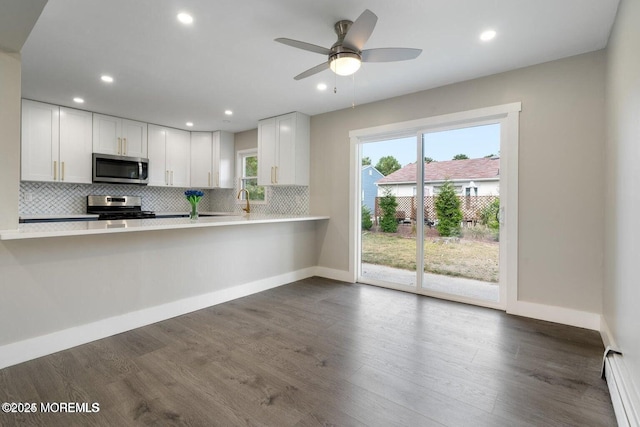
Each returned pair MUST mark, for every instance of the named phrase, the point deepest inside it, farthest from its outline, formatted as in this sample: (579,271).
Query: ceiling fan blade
(312,71)
(304,46)
(360,31)
(390,54)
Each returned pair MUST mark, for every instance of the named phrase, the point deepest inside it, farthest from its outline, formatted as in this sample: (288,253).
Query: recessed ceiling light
(228,112)
(78,100)
(322,86)
(185,18)
(487,35)
(107,79)
(189,124)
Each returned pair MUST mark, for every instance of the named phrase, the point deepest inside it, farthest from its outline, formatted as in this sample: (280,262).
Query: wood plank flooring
(320,353)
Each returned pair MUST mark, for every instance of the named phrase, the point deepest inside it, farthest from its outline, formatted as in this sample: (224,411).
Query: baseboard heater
(623,395)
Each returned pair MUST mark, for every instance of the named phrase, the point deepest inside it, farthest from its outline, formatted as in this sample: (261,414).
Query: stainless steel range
(117,207)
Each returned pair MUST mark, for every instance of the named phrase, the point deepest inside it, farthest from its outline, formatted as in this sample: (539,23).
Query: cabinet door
(285,150)
(107,132)
(179,157)
(225,163)
(157,154)
(201,160)
(134,138)
(40,141)
(75,145)
(266,151)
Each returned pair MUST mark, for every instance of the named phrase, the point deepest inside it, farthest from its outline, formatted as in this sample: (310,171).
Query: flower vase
(193,215)
(193,197)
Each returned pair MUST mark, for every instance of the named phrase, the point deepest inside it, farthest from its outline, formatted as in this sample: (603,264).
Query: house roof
(484,168)
(365,167)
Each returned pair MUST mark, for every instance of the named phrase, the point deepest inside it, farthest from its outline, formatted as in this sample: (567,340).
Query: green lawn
(470,258)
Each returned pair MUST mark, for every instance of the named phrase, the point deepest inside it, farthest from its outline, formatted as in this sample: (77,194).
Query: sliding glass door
(461,205)
(388,203)
(430,213)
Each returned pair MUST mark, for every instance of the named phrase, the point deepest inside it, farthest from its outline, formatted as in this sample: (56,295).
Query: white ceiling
(168,73)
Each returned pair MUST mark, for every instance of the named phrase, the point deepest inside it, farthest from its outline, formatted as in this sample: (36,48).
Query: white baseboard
(21,351)
(566,316)
(624,396)
(330,273)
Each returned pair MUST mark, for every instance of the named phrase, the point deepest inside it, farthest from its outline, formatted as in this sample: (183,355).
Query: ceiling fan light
(345,64)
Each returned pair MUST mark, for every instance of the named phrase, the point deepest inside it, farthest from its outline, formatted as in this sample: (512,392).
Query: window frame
(241,156)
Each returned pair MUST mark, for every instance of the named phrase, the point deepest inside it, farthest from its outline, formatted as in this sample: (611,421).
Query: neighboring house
(471,177)
(370,176)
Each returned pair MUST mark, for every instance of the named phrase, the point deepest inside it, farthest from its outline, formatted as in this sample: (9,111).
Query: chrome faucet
(247,208)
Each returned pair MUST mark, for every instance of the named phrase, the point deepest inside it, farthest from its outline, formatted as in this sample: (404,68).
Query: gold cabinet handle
(55,170)
(276,174)
(272,174)
(119,145)
(166,177)
(124,146)
(209,180)
(62,171)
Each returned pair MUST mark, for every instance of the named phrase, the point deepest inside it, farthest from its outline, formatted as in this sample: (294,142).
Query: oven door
(120,169)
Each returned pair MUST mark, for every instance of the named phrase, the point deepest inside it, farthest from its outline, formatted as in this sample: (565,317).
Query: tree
(366,161)
(448,211)
(366,218)
(388,205)
(428,160)
(387,165)
(460,157)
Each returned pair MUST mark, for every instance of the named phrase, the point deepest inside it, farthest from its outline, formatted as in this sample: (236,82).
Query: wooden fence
(471,207)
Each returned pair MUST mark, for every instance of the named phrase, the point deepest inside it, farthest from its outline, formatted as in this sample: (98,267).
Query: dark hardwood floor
(319,352)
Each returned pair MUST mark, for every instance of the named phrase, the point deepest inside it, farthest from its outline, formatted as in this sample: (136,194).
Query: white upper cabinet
(283,150)
(212,159)
(169,157)
(56,143)
(201,160)
(75,145)
(123,137)
(179,157)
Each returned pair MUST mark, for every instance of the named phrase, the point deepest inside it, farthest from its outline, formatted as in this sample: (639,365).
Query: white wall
(561,132)
(9,139)
(621,283)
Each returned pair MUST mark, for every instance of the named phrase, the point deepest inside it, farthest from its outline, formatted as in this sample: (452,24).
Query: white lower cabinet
(56,143)
(169,156)
(212,159)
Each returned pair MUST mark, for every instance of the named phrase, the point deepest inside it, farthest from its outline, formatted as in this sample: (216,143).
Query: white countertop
(79,228)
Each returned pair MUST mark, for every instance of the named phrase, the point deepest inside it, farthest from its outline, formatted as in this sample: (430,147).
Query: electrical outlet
(28,196)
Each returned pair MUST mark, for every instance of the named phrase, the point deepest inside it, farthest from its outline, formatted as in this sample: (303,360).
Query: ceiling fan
(346,55)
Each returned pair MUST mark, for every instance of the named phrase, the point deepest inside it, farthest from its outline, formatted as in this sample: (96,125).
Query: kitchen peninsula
(79,228)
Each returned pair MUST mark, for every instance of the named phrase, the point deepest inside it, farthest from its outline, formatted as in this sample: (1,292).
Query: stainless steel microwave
(120,169)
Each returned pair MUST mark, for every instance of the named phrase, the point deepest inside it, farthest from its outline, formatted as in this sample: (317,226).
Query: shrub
(448,211)
(388,205)
(366,218)
(489,215)
(477,232)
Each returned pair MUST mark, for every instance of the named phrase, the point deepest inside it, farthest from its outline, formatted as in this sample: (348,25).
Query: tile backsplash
(53,198)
